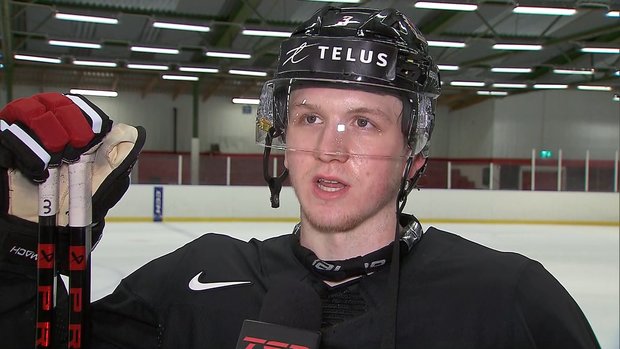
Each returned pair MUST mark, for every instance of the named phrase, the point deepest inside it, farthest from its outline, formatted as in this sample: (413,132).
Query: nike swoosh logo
(196,285)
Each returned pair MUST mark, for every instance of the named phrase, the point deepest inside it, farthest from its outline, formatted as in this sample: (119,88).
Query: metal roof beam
(240,16)
(610,29)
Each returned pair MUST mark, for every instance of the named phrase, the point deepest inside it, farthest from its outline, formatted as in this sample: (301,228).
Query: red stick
(46,260)
(80,243)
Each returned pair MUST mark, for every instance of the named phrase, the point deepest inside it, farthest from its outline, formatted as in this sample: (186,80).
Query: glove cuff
(18,241)
(19,238)
(116,183)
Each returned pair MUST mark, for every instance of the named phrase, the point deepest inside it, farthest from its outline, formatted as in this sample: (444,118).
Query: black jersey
(453,294)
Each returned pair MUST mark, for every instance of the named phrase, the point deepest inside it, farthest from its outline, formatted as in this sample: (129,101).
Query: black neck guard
(361,265)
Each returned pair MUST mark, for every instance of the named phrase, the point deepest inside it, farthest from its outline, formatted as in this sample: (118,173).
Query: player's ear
(418,162)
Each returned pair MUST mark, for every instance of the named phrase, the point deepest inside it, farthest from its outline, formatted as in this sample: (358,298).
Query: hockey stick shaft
(46,260)
(80,243)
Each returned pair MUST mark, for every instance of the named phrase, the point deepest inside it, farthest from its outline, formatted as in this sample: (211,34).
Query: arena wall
(250,203)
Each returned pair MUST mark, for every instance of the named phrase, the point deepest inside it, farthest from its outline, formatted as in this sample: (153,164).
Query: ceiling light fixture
(147,66)
(600,50)
(100,93)
(492,93)
(445,6)
(552,11)
(340,1)
(95,63)
(199,70)
(574,72)
(467,83)
(74,44)
(83,18)
(453,44)
(616,98)
(551,86)
(509,85)
(247,72)
(594,88)
(447,67)
(178,26)
(268,33)
(37,59)
(511,70)
(613,14)
(255,101)
(180,77)
(218,54)
(519,47)
(167,51)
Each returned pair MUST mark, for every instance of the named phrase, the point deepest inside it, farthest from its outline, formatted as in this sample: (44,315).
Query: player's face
(346,155)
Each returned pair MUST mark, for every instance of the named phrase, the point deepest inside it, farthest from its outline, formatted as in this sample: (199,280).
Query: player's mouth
(330,185)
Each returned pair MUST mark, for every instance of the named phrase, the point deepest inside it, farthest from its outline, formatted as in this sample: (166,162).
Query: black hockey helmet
(352,48)
(355,48)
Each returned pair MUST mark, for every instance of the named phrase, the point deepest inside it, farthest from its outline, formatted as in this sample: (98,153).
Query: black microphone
(289,318)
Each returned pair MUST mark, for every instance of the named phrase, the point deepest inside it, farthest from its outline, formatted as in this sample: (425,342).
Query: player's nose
(332,143)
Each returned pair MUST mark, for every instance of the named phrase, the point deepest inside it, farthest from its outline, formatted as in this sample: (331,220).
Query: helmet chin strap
(274,182)
(407,184)
(388,340)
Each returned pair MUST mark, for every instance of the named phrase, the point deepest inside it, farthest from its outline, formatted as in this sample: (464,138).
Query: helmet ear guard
(418,122)
(271,115)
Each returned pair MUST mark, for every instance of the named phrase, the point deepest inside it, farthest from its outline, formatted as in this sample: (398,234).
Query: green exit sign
(546,154)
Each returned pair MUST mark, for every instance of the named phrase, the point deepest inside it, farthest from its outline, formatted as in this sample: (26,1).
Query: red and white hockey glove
(47,129)
(53,129)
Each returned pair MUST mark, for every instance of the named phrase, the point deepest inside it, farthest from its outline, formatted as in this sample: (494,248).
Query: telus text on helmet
(370,59)
(335,53)
(350,54)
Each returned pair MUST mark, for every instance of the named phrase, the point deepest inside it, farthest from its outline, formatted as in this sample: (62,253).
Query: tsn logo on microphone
(261,343)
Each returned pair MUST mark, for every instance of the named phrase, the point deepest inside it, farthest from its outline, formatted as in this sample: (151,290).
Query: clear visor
(341,119)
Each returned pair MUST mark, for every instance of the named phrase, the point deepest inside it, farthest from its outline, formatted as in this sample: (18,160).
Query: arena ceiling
(33,28)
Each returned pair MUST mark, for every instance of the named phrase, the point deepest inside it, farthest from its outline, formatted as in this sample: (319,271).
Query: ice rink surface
(584,258)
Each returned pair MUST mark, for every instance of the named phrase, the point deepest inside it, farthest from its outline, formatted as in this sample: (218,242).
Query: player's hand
(54,130)
(48,129)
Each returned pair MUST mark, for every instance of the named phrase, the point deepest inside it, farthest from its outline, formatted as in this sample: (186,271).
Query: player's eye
(311,119)
(362,122)
(365,123)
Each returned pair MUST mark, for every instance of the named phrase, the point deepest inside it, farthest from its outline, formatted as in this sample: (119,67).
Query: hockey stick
(80,243)
(46,260)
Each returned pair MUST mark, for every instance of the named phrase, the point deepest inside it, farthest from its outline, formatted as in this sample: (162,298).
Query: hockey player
(352,105)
